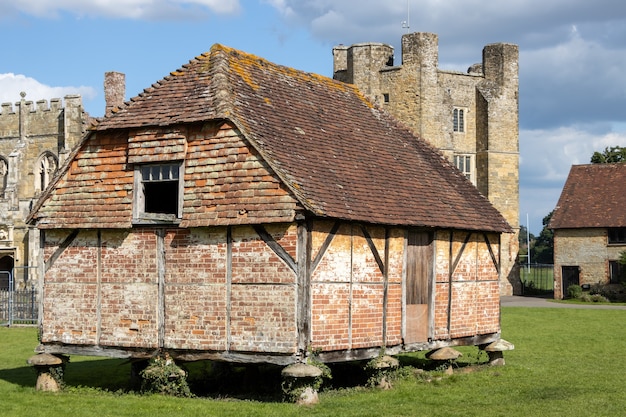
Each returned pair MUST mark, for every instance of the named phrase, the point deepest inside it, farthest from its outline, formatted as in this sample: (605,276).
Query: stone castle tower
(35,140)
(472,118)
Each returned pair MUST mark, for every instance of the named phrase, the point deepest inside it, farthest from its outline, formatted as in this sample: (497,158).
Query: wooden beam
(64,245)
(232,357)
(385,287)
(370,243)
(324,247)
(183,355)
(161,286)
(463,341)
(275,246)
(493,255)
(458,255)
(93,350)
(304,287)
(229,284)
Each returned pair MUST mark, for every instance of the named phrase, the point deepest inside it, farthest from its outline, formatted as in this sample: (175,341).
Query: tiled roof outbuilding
(593,196)
(336,153)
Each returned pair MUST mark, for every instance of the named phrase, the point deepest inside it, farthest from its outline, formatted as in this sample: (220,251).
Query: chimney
(114,90)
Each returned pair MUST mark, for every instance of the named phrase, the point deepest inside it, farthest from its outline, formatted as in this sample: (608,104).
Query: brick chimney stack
(114,90)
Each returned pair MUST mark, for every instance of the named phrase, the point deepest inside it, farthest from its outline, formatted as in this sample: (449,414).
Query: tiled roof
(593,196)
(339,156)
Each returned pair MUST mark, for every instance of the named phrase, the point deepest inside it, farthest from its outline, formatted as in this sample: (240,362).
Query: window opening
(160,188)
(158,191)
(617,272)
(45,170)
(464,164)
(458,121)
(617,235)
(4,173)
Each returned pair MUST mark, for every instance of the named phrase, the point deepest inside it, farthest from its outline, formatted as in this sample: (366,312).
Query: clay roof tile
(337,153)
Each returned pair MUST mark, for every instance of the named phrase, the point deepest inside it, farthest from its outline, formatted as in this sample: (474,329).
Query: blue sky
(572,57)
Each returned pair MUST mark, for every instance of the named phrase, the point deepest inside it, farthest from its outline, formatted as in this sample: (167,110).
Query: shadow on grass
(106,374)
(256,382)
(24,376)
(206,379)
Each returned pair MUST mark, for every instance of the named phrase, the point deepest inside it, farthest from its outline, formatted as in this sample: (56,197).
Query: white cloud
(126,9)
(11,85)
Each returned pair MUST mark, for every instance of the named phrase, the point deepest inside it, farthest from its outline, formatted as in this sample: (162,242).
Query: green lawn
(567,362)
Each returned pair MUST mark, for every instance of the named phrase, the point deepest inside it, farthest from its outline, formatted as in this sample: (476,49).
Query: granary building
(589,224)
(239,210)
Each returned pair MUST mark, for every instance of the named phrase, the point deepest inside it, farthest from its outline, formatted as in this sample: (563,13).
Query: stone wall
(587,249)
(35,139)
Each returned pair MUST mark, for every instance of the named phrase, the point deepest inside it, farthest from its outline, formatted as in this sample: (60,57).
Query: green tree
(622,258)
(610,155)
(542,252)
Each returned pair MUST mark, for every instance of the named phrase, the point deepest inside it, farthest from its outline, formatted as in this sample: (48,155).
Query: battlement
(41,117)
(41,106)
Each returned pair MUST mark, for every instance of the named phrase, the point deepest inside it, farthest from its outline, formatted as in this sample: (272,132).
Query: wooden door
(570,275)
(418,284)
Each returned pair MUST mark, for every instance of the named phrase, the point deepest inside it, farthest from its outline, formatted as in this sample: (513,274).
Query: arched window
(4,173)
(44,170)
(458,120)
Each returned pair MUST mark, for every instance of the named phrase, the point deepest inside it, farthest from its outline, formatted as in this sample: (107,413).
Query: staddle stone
(499,346)
(385,362)
(301,370)
(444,354)
(44,359)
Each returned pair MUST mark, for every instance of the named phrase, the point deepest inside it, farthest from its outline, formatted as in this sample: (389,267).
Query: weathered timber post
(301,382)
(49,371)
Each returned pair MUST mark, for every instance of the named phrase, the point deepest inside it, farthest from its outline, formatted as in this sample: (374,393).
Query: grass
(566,362)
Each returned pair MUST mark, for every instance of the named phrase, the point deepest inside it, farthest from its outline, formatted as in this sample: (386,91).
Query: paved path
(517,301)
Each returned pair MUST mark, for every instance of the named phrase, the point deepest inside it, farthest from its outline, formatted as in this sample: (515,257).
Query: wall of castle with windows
(35,139)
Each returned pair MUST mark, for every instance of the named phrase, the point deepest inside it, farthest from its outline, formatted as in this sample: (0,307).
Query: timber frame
(302,266)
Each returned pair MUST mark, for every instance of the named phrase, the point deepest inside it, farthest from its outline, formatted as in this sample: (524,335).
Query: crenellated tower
(35,139)
(471,117)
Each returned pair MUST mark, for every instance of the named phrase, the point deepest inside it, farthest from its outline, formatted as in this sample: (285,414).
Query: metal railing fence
(17,306)
(537,280)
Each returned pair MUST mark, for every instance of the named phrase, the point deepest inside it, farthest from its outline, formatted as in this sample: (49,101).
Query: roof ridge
(219,67)
(148,91)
